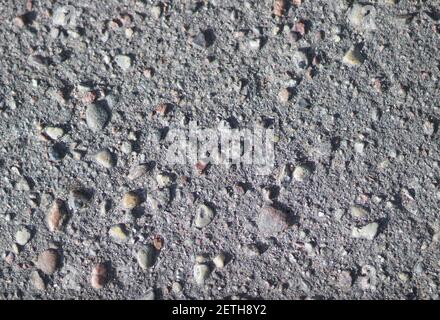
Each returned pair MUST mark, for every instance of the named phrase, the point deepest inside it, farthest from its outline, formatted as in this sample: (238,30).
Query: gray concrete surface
(350,209)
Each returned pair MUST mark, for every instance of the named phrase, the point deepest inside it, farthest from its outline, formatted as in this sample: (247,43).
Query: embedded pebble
(202,258)
(163,179)
(97,116)
(123,61)
(22,236)
(428,128)
(204,216)
(353,57)
(9,257)
(403,276)
(359,147)
(219,260)
(146,257)
(201,273)
(255,44)
(54,133)
(59,16)
(131,200)
(284,95)
(362,17)
(99,276)
(279,7)
(37,281)
(301,172)
(150,295)
(57,216)
(345,280)
(367,232)
(105,158)
(177,287)
(156,12)
(358,211)
(48,261)
(15,248)
(23,185)
(126,147)
(118,232)
(272,221)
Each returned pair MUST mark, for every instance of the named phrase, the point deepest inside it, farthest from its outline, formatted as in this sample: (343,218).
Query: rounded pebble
(106,159)
(99,276)
(146,257)
(130,200)
(118,232)
(56,216)
(48,261)
(97,116)
(204,216)
(301,172)
(37,281)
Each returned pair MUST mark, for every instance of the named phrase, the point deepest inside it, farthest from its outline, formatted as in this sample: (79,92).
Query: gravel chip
(150,295)
(367,232)
(358,211)
(359,147)
(353,57)
(123,61)
(219,260)
(362,17)
(368,278)
(156,11)
(345,280)
(23,185)
(201,273)
(22,236)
